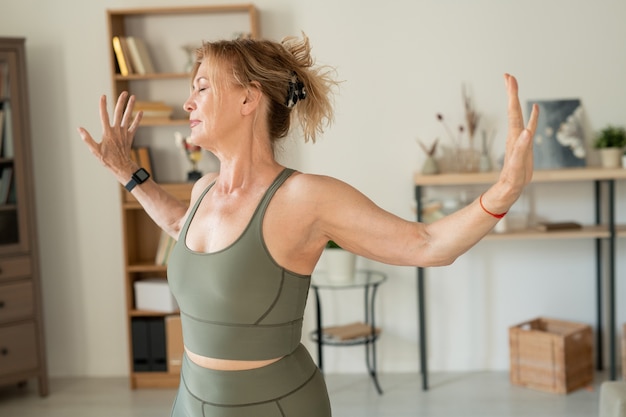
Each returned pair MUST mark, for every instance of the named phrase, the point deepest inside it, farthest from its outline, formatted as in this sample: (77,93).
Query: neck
(246,165)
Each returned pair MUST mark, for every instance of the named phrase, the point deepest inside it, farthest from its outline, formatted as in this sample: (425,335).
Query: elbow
(434,262)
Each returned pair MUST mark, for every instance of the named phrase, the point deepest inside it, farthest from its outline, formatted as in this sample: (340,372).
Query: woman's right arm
(114,150)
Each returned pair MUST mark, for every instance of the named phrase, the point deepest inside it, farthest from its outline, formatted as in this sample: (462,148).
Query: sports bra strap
(259,211)
(265,201)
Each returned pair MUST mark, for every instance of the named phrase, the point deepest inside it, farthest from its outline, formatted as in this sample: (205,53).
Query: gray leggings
(290,387)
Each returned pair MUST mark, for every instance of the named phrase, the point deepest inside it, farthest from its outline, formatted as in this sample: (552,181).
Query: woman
(250,239)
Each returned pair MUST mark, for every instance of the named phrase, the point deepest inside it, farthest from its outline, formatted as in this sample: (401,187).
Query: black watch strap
(139,177)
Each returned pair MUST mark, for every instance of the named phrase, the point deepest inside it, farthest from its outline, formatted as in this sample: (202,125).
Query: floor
(484,394)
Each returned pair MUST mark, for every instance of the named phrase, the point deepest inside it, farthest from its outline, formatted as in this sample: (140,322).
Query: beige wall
(402,62)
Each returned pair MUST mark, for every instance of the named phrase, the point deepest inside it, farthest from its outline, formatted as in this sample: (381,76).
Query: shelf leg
(370,352)
(599,277)
(611,283)
(421,309)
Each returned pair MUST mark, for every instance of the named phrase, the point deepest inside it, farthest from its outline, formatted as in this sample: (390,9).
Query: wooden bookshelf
(164,31)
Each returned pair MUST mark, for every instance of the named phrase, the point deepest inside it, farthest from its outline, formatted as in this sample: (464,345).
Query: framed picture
(559,139)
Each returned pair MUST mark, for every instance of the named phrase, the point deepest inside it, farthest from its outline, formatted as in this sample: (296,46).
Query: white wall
(402,62)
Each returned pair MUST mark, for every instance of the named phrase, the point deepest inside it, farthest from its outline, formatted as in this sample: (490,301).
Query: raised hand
(114,148)
(517,170)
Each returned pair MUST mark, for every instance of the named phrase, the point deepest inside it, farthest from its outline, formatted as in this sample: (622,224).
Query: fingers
(128,111)
(122,113)
(532,122)
(516,120)
(86,137)
(135,124)
(118,112)
(104,114)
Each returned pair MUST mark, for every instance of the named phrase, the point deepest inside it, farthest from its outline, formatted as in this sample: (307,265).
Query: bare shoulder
(318,185)
(316,191)
(323,197)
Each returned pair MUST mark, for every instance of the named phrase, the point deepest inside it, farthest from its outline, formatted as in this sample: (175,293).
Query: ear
(252,99)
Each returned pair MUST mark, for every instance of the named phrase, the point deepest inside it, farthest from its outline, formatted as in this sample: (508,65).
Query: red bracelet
(497,216)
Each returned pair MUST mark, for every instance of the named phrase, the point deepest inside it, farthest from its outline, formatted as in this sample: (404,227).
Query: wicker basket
(551,355)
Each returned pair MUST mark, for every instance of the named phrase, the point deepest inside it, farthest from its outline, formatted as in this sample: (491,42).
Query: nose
(188,105)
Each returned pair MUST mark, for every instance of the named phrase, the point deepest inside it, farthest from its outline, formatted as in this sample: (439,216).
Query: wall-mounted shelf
(602,230)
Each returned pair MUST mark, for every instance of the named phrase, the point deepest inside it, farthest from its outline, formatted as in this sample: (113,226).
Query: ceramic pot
(340,265)
(610,157)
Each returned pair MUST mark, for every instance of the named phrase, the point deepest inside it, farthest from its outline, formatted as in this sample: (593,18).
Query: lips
(194,123)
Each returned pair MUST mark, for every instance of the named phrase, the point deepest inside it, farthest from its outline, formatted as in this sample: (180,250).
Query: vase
(430,166)
(610,157)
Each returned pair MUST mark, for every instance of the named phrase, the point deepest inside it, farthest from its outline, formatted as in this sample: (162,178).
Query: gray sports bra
(238,303)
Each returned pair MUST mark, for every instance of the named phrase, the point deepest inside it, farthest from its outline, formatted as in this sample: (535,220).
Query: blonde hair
(271,66)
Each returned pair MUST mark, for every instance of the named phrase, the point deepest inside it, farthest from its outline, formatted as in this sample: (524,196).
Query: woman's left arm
(360,226)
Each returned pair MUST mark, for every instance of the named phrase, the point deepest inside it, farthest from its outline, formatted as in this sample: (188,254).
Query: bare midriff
(227,364)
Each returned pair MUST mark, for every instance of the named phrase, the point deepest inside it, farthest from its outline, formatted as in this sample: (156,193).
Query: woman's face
(213,118)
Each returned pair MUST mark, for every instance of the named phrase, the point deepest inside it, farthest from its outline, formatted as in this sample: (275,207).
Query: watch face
(141,175)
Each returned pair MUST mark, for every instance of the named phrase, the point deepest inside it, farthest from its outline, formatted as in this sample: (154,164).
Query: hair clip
(296,91)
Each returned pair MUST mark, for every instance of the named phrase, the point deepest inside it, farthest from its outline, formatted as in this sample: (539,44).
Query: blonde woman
(253,232)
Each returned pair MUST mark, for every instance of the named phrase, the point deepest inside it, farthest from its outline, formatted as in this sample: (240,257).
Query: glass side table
(368,281)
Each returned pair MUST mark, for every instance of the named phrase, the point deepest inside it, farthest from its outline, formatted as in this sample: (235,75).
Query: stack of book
(132,56)
(153,109)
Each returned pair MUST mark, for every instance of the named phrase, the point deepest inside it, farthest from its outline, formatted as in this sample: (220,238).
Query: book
(551,226)
(141,156)
(122,62)
(126,52)
(5,184)
(349,331)
(139,55)
(144,160)
(153,109)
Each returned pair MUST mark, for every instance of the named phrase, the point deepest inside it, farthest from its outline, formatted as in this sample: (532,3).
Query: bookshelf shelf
(166,30)
(586,232)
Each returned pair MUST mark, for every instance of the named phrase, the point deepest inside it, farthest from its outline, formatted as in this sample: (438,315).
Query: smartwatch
(139,177)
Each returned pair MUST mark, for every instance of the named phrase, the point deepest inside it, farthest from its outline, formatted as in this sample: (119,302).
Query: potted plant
(610,142)
(340,264)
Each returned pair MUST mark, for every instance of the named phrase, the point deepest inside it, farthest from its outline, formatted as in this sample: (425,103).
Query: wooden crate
(551,355)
